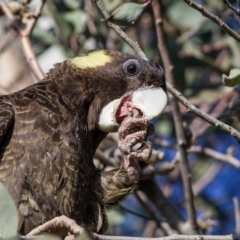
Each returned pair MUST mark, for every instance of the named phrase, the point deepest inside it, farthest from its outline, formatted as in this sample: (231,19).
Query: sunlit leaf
(84,236)
(164,128)
(233,79)
(110,5)
(234,49)
(77,19)
(127,14)
(219,5)
(114,217)
(72,4)
(183,16)
(8,214)
(43,35)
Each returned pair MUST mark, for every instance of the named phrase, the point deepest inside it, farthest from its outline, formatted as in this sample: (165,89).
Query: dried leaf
(127,14)
(233,79)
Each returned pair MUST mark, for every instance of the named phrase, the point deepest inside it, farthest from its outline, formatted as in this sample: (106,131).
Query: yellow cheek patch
(93,59)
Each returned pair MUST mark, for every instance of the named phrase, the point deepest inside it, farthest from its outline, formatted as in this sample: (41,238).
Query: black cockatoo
(49,133)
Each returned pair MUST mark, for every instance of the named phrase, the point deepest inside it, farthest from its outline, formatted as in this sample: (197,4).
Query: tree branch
(237,214)
(32,22)
(178,122)
(213,121)
(231,7)
(172,237)
(155,195)
(122,34)
(144,203)
(217,155)
(214,18)
(24,36)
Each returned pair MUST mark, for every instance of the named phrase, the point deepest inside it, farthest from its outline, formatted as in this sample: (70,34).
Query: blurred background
(201,52)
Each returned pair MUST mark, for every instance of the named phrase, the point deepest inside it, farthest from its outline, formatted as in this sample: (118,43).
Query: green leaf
(84,236)
(127,14)
(233,79)
(43,35)
(164,128)
(110,5)
(177,12)
(234,49)
(9,215)
(77,19)
(114,217)
(216,5)
(72,4)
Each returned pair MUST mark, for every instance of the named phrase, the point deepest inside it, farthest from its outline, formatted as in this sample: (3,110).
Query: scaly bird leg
(131,132)
(117,183)
(59,225)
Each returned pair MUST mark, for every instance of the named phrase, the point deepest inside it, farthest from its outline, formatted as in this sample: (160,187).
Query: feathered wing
(6,117)
(6,131)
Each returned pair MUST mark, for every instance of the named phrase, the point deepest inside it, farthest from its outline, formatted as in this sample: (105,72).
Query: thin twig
(91,26)
(178,122)
(122,34)
(150,229)
(237,214)
(127,210)
(7,40)
(172,237)
(157,224)
(24,35)
(155,195)
(32,22)
(31,58)
(103,159)
(217,155)
(214,18)
(199,127)
(145,205)
(206,178)
(231,7)
(190,107)
(7,11)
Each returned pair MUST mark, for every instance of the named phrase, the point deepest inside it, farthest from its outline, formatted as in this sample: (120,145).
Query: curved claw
(143,153)
(126,145)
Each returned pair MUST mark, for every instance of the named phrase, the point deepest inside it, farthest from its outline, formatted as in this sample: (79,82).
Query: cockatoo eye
(132,67)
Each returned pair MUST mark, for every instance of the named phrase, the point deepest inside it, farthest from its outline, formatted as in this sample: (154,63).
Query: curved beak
(151,103)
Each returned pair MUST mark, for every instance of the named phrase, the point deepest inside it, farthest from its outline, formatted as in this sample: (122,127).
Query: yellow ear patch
(93,59)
